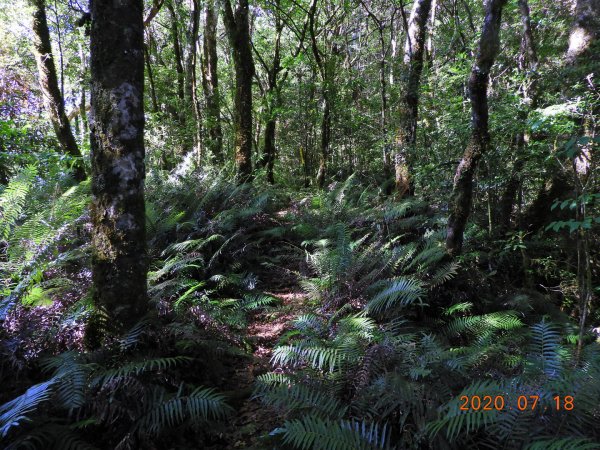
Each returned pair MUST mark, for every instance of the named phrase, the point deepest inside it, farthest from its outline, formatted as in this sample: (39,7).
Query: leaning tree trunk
(119,261)
(460,207)
(238,32)
(210,83)
(53,99)
(409,107)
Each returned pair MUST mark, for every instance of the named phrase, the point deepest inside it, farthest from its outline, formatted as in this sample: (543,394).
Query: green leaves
(13,199)
(399,292)
(312,433)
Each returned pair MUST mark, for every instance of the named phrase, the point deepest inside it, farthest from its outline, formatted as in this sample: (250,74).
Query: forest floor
(253,421)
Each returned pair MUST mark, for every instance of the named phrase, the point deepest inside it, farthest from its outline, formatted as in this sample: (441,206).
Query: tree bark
(409,107)
(460,206)
(210,83)
(193,81)
(177,51)
(274,100)
(326,87)
(53,99)
(238,32)
(585,30)
(119,261)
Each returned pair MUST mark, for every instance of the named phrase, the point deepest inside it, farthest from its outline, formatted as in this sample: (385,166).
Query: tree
(460,204)
(325,66)
(210,83)
(585,30)
(528,62)
(53,99)
(117,142)
(238,32)
(409,108)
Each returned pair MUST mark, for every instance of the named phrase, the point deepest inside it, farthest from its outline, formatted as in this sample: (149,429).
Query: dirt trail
(253,420)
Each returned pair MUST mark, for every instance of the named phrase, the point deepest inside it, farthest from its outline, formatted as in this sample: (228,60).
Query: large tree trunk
(53,99)
(119,260)
(210,83)
(238,31)
(585,30)
(409,108)
(460,206)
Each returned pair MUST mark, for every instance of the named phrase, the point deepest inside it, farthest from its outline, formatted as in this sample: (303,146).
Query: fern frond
(400,292)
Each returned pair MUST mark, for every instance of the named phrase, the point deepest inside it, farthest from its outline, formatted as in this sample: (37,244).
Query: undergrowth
(395,334)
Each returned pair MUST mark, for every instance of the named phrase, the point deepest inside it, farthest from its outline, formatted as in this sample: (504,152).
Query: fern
(14,412)
(398,293)
(201,405)
(13,199)
(313,433)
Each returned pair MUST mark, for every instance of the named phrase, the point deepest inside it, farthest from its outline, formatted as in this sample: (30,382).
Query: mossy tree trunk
(409,106)
(53,99)
(238,32)
(462,195)
(119,260)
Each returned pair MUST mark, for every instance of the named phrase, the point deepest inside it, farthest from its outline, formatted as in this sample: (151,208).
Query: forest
(299,224)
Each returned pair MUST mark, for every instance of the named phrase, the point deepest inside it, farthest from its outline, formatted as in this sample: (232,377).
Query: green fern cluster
(85,395)
(384,352)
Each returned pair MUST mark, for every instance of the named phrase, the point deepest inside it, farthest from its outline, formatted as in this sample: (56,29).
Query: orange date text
(521,403)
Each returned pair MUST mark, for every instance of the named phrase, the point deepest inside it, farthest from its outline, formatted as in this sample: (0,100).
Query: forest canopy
(299,224)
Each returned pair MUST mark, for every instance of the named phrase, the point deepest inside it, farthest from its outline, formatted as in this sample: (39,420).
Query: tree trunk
(192,83)
(53,100)
(326,87)
(238,31)
(210,83)
(274,100)
(119,261)
(585,30)
(409,108)
(177,51)
(584,35)
(528,61)
(460,207)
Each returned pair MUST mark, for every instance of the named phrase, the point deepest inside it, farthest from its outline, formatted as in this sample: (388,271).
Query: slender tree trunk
(119,261)
(238,31)
(177,52)
(150,79)
(274,100)
(53,100)
(326,87)
(460,206)
(210,83)
(528,61)
(193,81)
(409,108)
